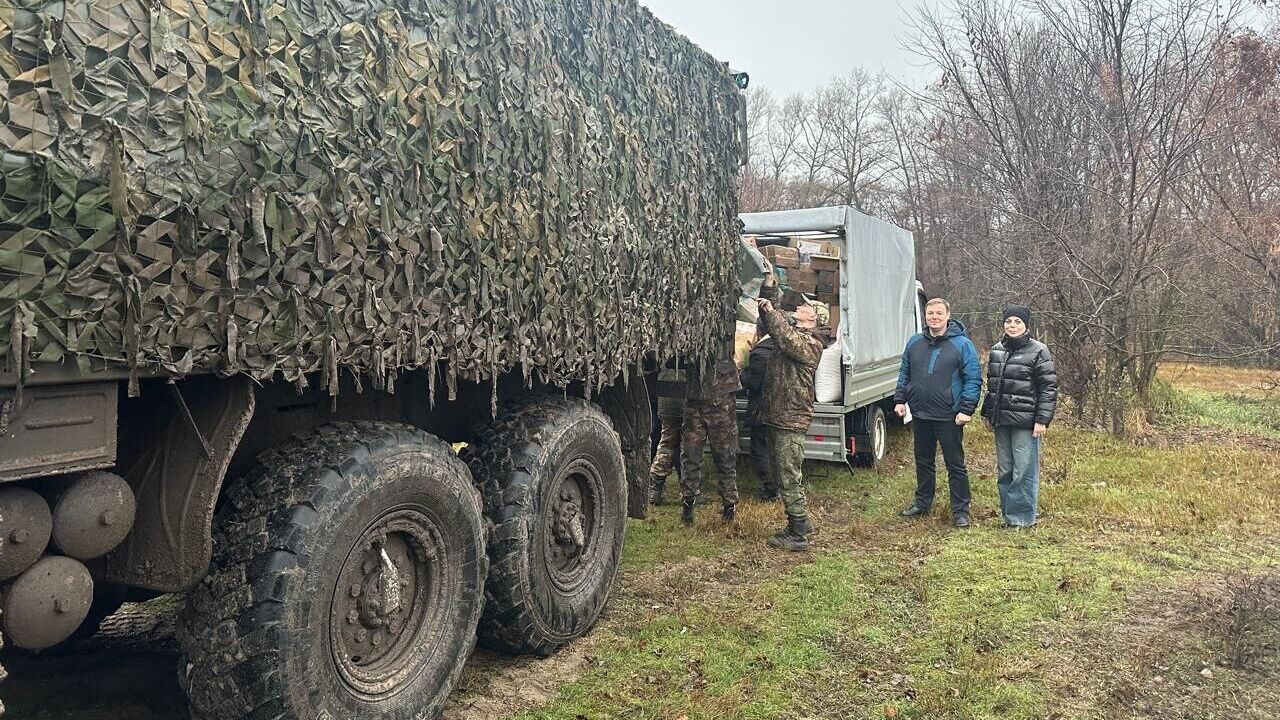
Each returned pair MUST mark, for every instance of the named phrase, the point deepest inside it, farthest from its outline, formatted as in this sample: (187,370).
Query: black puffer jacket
(753,377)
(1022,384)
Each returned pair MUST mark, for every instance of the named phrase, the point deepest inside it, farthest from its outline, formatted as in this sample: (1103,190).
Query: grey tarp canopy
(877,275)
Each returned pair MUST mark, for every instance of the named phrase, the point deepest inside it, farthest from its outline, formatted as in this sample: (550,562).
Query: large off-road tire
(554,486)
(627,405)
(3,673)
(347,582)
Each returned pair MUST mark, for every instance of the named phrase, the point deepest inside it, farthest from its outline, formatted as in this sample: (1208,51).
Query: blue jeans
(1018,473)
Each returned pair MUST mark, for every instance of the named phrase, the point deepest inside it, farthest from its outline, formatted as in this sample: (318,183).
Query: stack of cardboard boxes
(808,269)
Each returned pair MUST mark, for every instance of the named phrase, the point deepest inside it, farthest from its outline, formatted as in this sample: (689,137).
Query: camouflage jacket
(787,400)
(720,378)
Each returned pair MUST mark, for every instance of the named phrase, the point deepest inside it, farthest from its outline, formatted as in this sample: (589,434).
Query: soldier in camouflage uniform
(671,416)
(787,409)
(710,415)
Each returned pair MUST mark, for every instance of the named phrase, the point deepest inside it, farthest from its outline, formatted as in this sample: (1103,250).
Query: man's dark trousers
(928,435)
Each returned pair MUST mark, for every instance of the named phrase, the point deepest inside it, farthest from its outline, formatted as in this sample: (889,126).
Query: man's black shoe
(686,512)
(914,511)
(729,513)
(769,496)
(961,520)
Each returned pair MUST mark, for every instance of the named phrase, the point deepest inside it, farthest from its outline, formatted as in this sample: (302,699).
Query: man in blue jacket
(940,380)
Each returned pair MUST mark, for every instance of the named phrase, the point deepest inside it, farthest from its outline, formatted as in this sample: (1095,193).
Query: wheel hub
(569,534)
(569,518)
(383,601)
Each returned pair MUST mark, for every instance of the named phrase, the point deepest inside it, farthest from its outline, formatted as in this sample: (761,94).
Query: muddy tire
(347,582)
(628,407)
(554,486)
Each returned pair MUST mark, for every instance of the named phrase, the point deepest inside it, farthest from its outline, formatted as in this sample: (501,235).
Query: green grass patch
(913,619)
(1259,415)
(650,543)
(737,659)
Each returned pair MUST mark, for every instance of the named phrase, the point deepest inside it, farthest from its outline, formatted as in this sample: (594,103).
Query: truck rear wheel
(877,437)
(347,582)
(555,490)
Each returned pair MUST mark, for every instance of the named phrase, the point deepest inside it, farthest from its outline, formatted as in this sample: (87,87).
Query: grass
(1229,398)
(889,618)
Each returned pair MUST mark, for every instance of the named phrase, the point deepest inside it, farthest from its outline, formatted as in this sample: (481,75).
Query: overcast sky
(801,44)
(796,45)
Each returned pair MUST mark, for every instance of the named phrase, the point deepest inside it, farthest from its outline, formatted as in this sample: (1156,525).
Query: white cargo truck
(881,307)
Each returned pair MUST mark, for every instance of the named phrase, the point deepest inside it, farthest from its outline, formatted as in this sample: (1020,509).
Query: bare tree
(854,161)
(1079,122)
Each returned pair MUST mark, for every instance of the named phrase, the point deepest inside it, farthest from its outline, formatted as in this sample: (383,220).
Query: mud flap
(176,478)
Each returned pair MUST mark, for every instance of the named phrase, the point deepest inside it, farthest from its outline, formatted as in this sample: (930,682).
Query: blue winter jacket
(940,376)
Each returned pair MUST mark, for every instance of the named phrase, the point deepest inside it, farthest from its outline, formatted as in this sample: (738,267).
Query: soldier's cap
(820,309)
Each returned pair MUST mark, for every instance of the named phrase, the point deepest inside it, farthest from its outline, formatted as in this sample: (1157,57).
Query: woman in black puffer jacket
(1022,395)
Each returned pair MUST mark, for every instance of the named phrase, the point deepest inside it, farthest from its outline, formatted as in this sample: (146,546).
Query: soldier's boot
(794,536)
(729,513)
(769,494)
(656,485)
(686,511)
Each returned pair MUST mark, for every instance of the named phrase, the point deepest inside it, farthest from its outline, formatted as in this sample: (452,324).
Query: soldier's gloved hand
(764,305)
(770,279)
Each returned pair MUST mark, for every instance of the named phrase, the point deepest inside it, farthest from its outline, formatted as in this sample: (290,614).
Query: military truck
(331,315)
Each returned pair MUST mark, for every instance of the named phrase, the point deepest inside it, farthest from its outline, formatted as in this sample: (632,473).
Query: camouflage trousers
(788,468)
(713,421)
(664,458)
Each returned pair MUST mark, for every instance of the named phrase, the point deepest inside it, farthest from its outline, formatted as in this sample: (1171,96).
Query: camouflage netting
(297,187)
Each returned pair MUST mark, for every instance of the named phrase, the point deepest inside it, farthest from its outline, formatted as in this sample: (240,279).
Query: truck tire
(554,487)
(627,405)
(347,582)
(877,434)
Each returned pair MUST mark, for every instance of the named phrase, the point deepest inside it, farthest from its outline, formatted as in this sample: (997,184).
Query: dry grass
(1220,379)
(1204,648)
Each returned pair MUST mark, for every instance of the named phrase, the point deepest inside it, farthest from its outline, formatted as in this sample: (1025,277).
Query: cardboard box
(824,263)
(808,287)
(801,275)
(808,250)
(830,249)
(827,281)
(790,299)
(781,256)
(835,315)
(828,298)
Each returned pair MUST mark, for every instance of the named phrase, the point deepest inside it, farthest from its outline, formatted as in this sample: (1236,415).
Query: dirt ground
(128,671)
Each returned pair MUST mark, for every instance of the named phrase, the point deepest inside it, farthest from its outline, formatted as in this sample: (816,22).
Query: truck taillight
(819,438)
(853,445)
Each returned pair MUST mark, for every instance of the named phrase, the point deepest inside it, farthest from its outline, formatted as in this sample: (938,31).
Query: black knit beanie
(1019,311)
